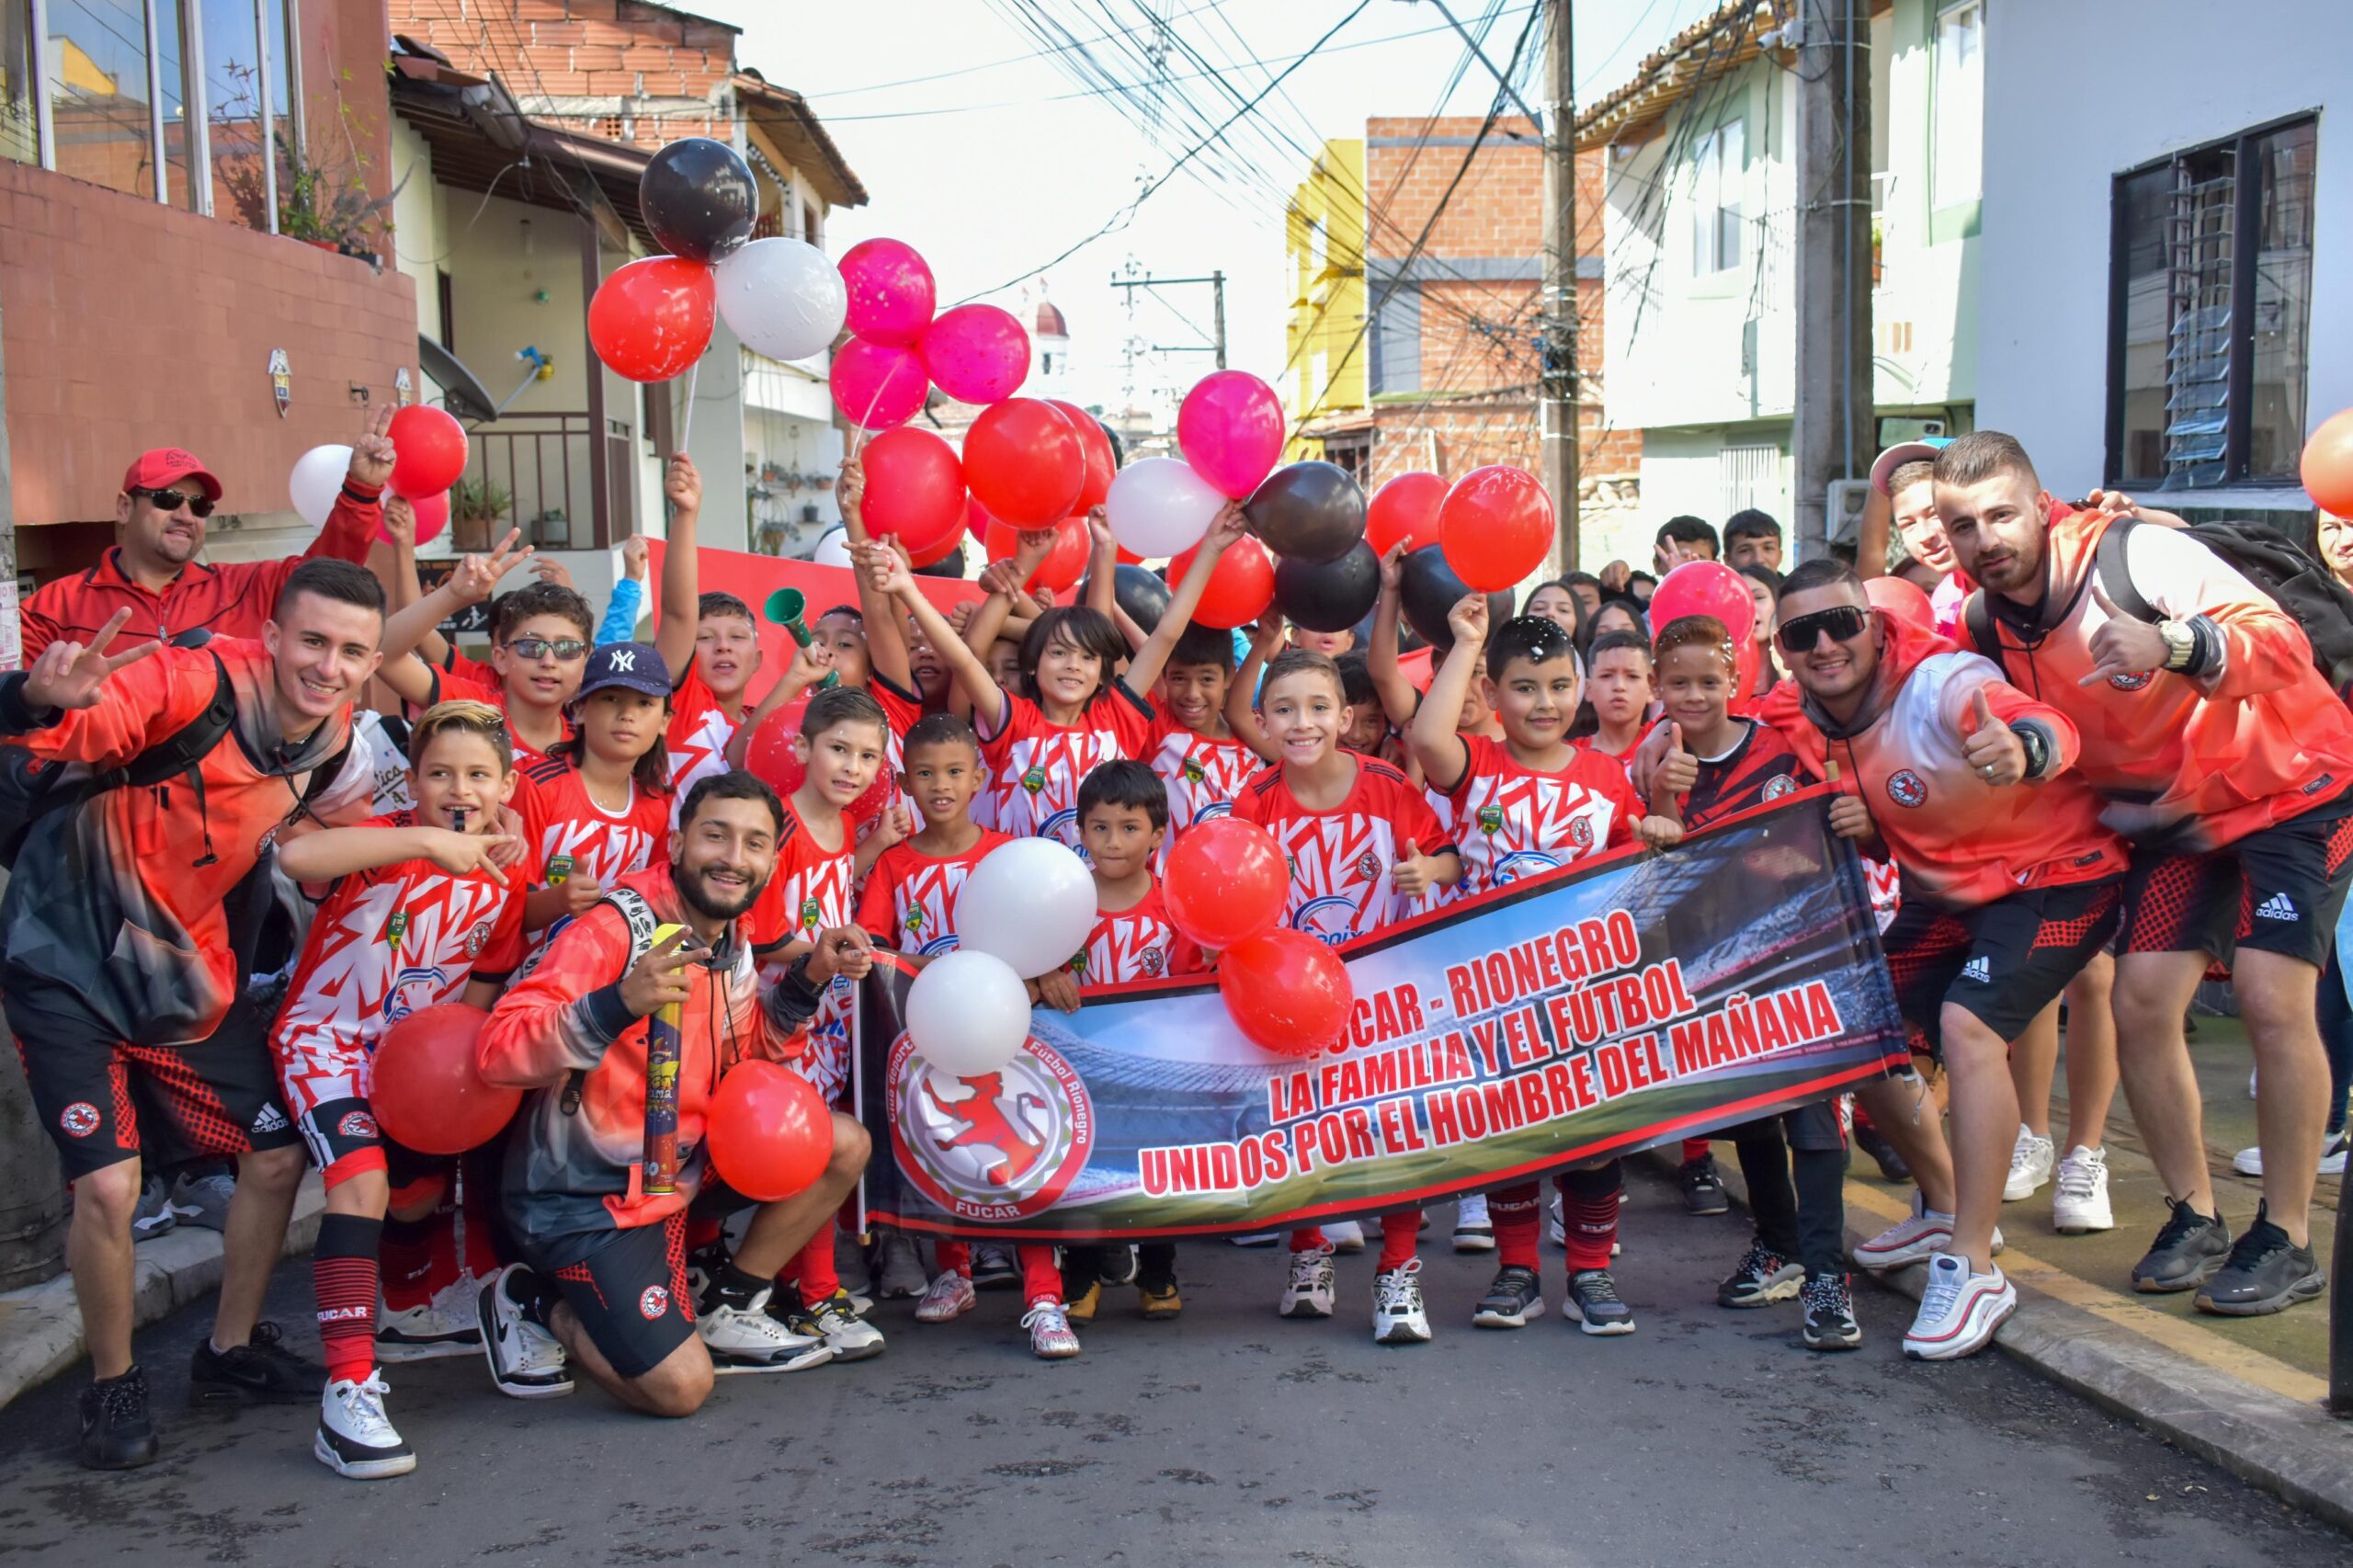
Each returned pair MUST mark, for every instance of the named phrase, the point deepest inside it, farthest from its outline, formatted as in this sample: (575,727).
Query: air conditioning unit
(1843,517)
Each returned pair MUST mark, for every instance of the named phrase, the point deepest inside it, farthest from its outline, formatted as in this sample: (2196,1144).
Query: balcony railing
(546,463)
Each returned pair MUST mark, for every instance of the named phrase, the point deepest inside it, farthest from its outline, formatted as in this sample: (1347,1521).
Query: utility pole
(1216,282)
(1835,420)
(1557,406)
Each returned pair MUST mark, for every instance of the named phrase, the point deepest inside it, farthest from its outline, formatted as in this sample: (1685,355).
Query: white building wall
(2190,75)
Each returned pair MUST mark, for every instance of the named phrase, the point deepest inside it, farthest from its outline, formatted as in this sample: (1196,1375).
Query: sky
(989,155)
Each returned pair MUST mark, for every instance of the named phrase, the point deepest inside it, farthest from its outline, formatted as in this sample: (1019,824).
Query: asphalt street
(1231,1436)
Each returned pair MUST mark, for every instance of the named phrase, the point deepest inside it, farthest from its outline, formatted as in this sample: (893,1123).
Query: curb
(40,1326)
(2293,1448)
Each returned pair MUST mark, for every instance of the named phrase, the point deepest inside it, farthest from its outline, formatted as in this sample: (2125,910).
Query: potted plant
(323,198)
(475,508)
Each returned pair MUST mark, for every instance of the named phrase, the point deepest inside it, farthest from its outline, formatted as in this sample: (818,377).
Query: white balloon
(832,551)
(968,1013)
(782,298)
(1030,903)
(1159,506)
(317,480)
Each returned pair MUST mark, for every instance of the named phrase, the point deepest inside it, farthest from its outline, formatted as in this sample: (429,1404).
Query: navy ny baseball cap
(637,665)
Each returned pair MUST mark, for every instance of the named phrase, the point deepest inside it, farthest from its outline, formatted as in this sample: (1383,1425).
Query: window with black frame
(2210,316)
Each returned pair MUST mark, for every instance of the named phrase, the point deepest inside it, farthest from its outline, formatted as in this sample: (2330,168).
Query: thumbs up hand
(1993,749)
(1849,818)
(1679,770)
(1416,873)
(2122,646)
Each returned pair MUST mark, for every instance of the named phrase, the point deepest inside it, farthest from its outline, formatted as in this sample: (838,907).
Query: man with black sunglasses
(153,571)
(2009,887)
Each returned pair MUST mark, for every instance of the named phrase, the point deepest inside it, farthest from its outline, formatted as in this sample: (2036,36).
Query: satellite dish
(462,392)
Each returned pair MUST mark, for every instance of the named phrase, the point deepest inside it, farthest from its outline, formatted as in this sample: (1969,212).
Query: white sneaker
(2030,1159)
(1907,1241)
(747,1339)
(1347,1236)
(2249,1161)
(847,1336)
(444,1325)
(1258,1239)
(1307,1292)
(526,1362)
(1472,1229)
(950,1297)
(1051,1338)
(2079,1203)
(1397,1315)
(355,1437)
(1959,1310)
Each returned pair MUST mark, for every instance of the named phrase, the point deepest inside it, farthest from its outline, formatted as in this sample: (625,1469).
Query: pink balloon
(976,354)
(1706,587)
(432,516)
(877,386)
(891,291)
(1231,429)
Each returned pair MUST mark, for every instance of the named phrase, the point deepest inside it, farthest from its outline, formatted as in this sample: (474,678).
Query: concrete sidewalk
(40,1326)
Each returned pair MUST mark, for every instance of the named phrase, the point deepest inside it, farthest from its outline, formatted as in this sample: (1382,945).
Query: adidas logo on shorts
(2278,906)
(1978,971)
(271,1119)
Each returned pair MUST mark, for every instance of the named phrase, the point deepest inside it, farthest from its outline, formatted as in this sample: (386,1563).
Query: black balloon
(948,565)
(1429,590)
(699,199)
(1140,592)
(1310,512)
(1330,596)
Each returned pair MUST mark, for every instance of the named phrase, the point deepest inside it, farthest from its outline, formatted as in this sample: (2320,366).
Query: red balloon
(1225,882)
(652,318)
(891,291)
(877,386)
(1404,508)
(432,516)
(2326,467)
(947,547)
(1063,565)
(771,755)
(427,1090)
(1496,525)
(429,452)
(1101,464)
(770,1131)
(976,353)
(1902,601)
(1240,589)
(1705,587)
(915,488)
(977,521)
(1286,991)
(1024,463)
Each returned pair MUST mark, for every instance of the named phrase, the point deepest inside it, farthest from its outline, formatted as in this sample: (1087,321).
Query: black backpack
(2299,584)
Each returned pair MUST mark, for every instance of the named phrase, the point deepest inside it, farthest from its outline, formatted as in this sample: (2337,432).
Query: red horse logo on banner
(986,1125)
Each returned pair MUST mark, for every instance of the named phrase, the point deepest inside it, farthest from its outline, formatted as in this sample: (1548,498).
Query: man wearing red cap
(153,571)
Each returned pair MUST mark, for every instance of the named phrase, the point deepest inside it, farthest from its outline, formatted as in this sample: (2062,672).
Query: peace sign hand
(372,449)
(68,674)
(477,575)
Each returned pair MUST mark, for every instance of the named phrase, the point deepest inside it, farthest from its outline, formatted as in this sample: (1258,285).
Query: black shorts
(104,1101)
(2278,890)
(631,1295)
(2003,962)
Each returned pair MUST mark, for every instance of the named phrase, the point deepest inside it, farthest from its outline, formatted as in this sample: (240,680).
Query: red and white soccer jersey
(1343,860)
(386,943)
(910,898)
(1139,942)
(698,736)
(1036,766)
(900,709)
(811,890)
(1511,822)
(456,687)
(569,835)
(1202,772)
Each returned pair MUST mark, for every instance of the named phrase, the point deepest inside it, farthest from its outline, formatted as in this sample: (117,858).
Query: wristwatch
(2181,642)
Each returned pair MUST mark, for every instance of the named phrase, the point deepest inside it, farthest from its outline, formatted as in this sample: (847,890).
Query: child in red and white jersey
(598,808)
(1193,748)
(1363,846)
(541,635)
(418,915)
(1521,808)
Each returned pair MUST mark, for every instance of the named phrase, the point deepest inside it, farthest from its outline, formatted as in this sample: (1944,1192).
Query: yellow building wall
(1323,245)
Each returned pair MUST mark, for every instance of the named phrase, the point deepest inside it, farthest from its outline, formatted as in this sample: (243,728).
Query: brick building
(1416,316)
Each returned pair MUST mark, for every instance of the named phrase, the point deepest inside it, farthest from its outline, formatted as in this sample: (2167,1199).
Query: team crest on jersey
(1194,772)
(2135,681)
(1368,865)
(1491,818)
(1905,788)
(915,919)
(652,1301)
(810,913)
(1581,832)
(1154,961)
(1000,1145)
(1078,963)
(477,938)
(396,927)
(356,1124)
(79,1120)
(1777,788)
(1034,781)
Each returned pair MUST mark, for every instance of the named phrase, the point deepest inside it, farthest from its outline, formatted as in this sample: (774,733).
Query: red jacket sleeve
(37,627)
(2263,648)
(255,585)
(566,1013)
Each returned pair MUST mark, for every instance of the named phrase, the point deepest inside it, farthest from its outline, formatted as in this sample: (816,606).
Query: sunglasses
(198,505)
(1843,623)
(564,648)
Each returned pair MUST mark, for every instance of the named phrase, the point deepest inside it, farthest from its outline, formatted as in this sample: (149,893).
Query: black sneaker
(2186,1253)
(1115,1264)
(1510,1301)
(117,1431)
(1593,1303)
(1703,1189)
(994,1268)
(1891,1165)
(260,1372)
(1761,1276)
(2266,1273)
(1830,1313)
